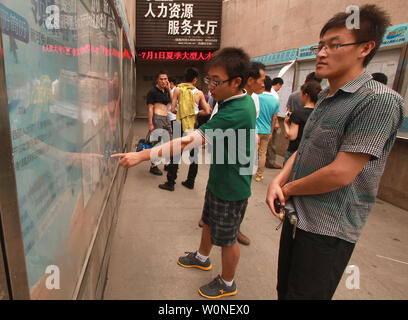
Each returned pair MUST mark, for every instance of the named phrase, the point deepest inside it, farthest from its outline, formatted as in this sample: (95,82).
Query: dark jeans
(311,265)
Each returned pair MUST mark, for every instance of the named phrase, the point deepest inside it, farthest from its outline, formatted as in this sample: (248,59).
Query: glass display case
(69,110)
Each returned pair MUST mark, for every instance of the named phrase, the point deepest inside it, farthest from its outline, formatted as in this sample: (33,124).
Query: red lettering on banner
(126,54)
(178,55)
(186,56)
(209,55)
(116,53)
(175,55)
(150,55)
(193,55)
(170,55)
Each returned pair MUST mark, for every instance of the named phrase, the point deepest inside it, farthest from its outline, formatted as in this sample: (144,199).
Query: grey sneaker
(217,289)
(190,261)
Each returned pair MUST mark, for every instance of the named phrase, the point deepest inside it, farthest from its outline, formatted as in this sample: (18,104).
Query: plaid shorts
(224,218)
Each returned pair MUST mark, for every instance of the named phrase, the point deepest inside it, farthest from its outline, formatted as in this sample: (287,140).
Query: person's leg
(230,258)
(193,169)
(158,124)
(226,217)
(263,148)
(200,259)
(284,259)
(172,167)
(270,153)
(205,243)
(316,278)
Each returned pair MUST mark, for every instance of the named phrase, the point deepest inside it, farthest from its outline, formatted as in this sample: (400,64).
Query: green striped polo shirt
(231,136)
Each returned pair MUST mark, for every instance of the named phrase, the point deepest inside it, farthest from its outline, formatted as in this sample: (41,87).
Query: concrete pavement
(155,227)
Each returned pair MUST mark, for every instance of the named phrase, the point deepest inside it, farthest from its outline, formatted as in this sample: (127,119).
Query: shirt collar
(238,96)
(160,90)
(350,87)
(356,83)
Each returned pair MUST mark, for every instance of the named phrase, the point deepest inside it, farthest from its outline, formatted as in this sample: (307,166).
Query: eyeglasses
(333,46)
(213,83)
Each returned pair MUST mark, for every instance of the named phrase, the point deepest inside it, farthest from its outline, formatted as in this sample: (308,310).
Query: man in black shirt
(157,99)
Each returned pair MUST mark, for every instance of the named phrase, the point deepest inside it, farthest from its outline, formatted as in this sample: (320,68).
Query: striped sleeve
(372,125)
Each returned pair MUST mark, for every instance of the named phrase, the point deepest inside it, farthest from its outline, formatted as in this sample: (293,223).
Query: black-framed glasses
(213,83)
(333,46)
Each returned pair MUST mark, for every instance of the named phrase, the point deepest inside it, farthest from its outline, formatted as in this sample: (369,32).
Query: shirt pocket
(324,138)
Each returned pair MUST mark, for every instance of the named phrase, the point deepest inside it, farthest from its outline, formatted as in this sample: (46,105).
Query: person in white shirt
(277,84)
(254,86)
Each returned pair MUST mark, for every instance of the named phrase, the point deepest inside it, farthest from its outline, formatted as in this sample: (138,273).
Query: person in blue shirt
(269,108)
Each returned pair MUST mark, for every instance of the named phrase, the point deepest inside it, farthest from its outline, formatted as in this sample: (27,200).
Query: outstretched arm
(168,149)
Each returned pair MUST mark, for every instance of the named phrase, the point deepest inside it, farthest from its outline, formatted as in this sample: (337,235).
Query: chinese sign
(174,55)
(395,35)
(305,52)
(178,24)
(277,58)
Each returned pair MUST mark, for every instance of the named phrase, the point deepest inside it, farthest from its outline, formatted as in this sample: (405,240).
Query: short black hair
(380,77)
(173,79)
(254,70)
(312,88)
(276,81)
(190,74)
(312,77)
(268,83)
(373,24)
(235,61)
(161,72)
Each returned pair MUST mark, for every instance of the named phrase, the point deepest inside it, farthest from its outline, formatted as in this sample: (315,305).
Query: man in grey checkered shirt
(332,180)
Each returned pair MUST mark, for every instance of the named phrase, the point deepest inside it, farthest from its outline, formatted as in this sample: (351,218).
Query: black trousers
(311,265)
(192,170)
(173,166)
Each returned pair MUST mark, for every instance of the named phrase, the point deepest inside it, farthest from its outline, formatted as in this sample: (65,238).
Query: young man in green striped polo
(231,135)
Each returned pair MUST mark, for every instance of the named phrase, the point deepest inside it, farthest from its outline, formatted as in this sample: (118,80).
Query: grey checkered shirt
(361,117)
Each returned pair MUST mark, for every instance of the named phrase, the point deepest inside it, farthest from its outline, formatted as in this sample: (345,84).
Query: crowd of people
(339,140)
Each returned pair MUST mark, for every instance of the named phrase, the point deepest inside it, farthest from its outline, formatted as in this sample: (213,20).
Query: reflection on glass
(65,111)
(404,129)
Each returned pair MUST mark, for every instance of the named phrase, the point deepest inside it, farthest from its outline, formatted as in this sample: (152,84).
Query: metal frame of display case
(11,234)
(399,85)
(401,78)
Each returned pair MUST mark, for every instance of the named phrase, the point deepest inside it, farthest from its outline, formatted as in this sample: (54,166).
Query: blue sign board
(277,58)
(14,25)
(395,35)
(305,53)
